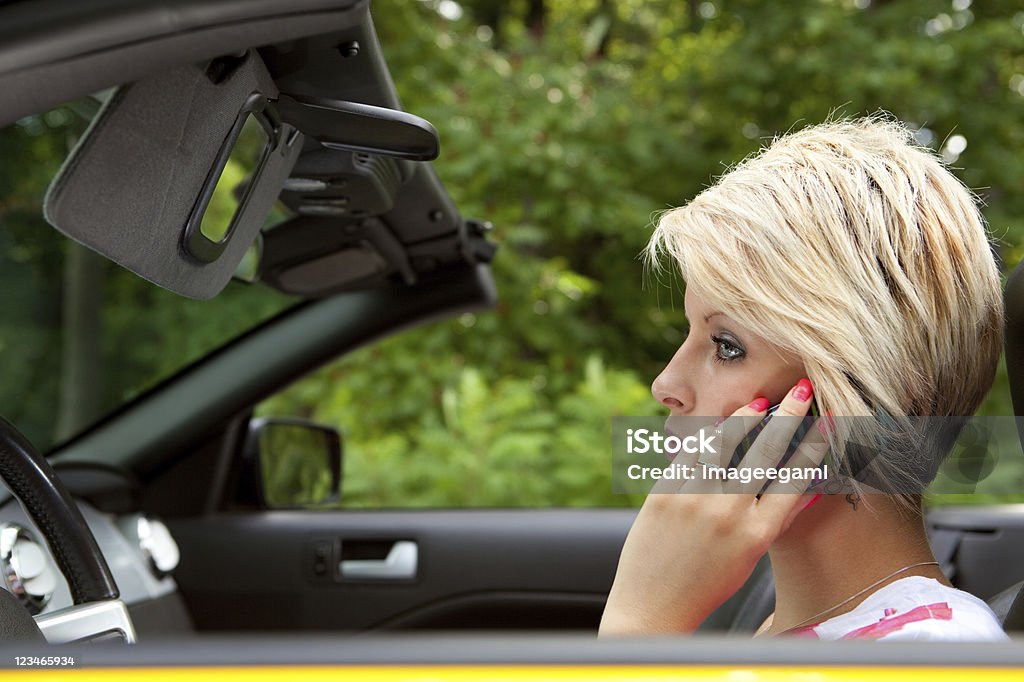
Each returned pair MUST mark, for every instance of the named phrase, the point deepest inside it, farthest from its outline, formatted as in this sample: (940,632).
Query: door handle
(399,564)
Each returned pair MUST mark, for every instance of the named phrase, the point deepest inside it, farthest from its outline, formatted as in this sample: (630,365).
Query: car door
(429,533)
(389,558)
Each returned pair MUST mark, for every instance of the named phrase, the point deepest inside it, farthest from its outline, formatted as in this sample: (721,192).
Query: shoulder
(949,615)
(916,608)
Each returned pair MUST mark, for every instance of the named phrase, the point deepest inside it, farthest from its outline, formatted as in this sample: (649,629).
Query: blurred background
(567,124)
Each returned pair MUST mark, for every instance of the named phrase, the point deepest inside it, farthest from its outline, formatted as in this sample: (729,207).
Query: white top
(913,608)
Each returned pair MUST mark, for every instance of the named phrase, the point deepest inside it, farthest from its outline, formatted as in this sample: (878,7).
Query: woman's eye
(727,351)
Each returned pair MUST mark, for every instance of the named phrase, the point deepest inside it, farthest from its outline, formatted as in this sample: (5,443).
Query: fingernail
(759,404)
(813,500)
(719,422)
(803,390)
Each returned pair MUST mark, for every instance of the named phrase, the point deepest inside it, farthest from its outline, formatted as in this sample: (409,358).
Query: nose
(669,388)
(663,393)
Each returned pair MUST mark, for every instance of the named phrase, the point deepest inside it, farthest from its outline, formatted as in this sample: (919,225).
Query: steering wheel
(97,611)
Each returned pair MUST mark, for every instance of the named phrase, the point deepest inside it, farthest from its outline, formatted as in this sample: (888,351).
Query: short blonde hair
(856,249)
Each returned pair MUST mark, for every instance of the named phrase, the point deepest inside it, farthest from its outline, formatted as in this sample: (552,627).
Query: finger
(740,427)
(773,450)
(788,489)
(739,460)
(771,445)
(715,466)
(677,430)
(734,430)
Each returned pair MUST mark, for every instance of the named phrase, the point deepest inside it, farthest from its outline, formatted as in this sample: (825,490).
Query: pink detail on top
(805,631)
(888,623)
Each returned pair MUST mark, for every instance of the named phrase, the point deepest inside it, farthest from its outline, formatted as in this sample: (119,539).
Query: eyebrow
(706,317)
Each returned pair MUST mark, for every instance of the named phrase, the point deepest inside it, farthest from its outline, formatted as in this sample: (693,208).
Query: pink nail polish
(759,404)
(802,391)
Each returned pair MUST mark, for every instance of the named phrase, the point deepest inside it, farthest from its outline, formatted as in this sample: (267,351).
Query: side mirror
(297,463)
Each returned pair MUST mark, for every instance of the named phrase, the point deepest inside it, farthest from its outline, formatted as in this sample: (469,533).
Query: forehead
(696,301)
(698,307)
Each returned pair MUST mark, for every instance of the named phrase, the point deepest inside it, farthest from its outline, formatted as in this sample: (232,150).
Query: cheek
(777,384)
(728,389)
(721,389)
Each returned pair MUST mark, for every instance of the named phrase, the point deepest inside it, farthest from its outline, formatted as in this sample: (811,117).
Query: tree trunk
(535,15)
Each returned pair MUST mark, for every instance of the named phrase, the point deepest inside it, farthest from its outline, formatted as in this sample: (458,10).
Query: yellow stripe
(523,672)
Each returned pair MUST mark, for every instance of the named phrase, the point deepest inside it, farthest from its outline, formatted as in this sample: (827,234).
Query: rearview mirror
(356,127)
(297,462)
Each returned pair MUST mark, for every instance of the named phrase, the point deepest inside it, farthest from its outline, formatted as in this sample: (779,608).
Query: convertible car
(249,162)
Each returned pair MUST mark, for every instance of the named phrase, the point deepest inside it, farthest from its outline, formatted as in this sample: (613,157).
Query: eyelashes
(727,349)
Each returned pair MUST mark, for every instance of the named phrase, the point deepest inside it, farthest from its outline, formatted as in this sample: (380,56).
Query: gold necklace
(854,596)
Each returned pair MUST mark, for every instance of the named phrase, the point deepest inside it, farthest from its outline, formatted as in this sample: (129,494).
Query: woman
(846,265)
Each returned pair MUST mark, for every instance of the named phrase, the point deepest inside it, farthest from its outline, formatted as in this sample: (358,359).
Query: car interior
(156,525)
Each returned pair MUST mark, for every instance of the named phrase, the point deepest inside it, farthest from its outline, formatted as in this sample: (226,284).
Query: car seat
(1009,604)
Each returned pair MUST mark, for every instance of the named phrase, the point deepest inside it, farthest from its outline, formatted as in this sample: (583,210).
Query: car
(271,209)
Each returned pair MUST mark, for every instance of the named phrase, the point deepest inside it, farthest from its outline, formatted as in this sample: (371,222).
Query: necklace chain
(869,587)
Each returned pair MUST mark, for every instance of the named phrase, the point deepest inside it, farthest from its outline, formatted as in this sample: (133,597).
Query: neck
(833,550)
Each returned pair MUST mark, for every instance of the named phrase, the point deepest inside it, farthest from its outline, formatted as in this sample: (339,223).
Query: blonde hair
(856,249)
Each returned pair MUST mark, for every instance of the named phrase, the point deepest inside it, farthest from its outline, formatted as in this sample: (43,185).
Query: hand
(694,544)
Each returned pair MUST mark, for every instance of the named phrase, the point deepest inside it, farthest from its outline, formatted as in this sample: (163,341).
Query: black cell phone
(801,431)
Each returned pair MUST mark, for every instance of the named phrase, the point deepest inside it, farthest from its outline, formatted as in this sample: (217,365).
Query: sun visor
(178,172)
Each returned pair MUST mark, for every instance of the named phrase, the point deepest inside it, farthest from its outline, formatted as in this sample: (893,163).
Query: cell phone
(801,431)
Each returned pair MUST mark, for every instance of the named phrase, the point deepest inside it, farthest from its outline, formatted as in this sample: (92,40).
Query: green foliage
(453,437)
(568,135)
(569,130)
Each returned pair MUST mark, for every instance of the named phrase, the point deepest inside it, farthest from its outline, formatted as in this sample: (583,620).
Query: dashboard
(140,552)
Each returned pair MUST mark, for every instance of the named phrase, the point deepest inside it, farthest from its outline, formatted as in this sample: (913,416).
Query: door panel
(473,569)
(508,569)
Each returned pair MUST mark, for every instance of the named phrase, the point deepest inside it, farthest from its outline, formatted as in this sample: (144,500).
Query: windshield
(80,336)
